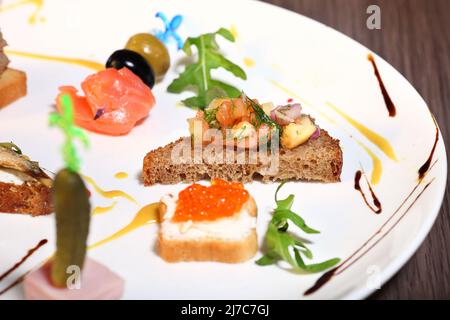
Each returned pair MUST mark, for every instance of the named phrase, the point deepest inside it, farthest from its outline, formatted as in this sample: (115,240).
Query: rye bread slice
(31,197)
(316,160)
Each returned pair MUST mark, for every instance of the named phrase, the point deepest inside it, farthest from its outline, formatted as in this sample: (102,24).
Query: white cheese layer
(13,176)
(236,227)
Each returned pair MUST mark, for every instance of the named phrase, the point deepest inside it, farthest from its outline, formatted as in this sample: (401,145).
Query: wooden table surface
(414,38)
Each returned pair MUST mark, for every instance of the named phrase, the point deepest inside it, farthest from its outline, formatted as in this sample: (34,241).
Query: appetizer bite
(214,223)
(234,137)
(119,97)
(13,83)
(24,187)
(114,101)
(69,274)
(243,128)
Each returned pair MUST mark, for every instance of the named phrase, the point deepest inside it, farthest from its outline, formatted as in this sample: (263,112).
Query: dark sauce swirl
(18,264)
(426,166)
(378,208)
(387,99)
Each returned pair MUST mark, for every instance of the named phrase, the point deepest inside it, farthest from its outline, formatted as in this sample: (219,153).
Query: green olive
(153,50)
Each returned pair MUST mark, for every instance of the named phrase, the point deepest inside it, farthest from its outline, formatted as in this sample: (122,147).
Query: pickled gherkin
(72,210)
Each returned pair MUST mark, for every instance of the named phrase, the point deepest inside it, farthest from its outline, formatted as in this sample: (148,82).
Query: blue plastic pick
(170,29)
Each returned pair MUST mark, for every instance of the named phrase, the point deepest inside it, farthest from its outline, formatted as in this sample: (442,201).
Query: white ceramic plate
(290,52)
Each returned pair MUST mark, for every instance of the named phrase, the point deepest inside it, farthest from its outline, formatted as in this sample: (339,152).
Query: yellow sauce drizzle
(146,215)
(121,175)
(292,94)
(372,136)
(111,194)
(80,62)
(382,143)
(102,210)
(377,166)
(249,62)
(33,18)
(234,31)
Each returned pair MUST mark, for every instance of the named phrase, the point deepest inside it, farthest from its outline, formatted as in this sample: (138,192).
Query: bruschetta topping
(245,123)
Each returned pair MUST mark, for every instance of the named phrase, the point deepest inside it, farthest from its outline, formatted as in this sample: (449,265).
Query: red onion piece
(284,115)
(99,113)
(316,134)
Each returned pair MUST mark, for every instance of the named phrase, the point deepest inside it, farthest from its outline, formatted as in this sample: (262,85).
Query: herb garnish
(198,75)
(11,146)
(261,116)
(279,241)
(210,117)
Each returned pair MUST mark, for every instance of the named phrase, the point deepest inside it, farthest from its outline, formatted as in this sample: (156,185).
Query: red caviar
(201,203)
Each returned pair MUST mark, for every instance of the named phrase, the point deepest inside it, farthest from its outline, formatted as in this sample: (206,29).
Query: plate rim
(360,291)
(394,266)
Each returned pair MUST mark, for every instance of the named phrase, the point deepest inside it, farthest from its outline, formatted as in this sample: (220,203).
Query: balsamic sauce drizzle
(387,99)
(22,261)
(18,264)
(15,283)
(327,276)
(350,261)
(322,281)
(424,169)
(378,208)
(426,166)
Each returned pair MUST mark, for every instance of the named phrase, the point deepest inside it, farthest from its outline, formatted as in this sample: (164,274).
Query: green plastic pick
(71,132)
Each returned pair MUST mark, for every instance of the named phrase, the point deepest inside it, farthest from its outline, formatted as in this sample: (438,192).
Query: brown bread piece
(31,197)
(316,160)
(211,248)
(13,85)
(31,194)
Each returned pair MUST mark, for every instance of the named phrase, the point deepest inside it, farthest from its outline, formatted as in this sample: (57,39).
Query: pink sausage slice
(97,283)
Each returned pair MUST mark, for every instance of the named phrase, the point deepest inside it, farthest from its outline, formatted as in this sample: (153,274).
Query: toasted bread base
(316,160)
(13,85)
(210,248)
(29,198)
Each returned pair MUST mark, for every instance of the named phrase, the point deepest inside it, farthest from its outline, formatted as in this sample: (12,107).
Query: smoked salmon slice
(114,101)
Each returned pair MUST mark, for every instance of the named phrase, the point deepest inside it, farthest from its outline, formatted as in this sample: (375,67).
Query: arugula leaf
(283,212)
(280,243)
(198,75)
(286,203)
(267,259)
(315,267)
(283,215)
(304,249)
